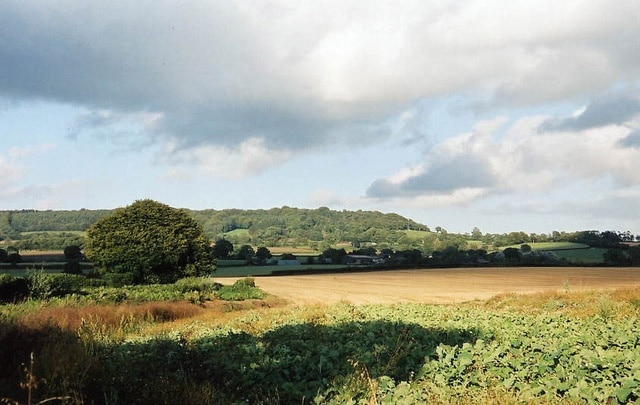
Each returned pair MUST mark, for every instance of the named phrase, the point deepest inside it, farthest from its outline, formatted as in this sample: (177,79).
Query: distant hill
(285,226)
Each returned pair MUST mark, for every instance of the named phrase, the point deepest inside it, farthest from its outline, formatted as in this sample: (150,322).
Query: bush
(12,289)
(118,279)
(44,285)
(243,289)
(190,284)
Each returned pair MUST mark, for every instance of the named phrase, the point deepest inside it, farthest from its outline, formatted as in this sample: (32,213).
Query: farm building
(358,260)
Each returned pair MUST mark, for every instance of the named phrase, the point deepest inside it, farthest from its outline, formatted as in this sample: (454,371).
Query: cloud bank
(310,75)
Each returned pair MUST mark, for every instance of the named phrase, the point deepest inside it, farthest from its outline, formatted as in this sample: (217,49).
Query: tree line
(318,229)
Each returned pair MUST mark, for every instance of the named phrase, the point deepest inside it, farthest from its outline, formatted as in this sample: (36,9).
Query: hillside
(283,226)
(314,230)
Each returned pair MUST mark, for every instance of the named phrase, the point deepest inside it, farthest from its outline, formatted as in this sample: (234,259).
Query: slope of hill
(283,226)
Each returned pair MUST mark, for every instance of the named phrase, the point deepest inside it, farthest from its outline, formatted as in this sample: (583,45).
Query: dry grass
(71,318)
(620,303)
(217,313)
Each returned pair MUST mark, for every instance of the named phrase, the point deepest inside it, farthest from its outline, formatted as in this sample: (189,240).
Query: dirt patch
(441,285)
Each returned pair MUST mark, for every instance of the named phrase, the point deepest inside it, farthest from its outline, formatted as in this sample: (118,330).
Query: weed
(30,385)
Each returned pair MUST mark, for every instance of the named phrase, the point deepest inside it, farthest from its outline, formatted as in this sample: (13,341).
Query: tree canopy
(151,241)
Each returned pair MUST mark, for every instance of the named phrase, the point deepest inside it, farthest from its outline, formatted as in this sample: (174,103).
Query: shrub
(44,285)
(189,284)
(118,279)
(12,289)
(243,289)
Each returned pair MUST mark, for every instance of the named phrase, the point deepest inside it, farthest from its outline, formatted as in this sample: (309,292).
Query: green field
(582,256)
(415,235)
(78,233)
(547,348)
(237,232)
(551,246)
(577,253)
(246,271)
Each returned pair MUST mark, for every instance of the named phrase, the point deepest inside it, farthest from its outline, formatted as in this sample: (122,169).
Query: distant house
(358,260)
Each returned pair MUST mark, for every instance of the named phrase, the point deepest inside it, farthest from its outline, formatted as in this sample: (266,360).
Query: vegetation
(139,330)
(151,242)
(569,347)
(240,234)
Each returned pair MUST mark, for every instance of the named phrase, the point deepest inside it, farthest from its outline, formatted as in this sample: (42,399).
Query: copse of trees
(149,242)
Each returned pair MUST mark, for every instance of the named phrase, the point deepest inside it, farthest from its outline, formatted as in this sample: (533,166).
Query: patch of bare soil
(441,285)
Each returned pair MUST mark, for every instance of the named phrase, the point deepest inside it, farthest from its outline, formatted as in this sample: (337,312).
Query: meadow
(191,344)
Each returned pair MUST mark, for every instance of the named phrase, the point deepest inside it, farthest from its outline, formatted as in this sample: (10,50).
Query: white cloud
(520,159)
(325,198)
(250,157)
(303,75)
(19,153)
(9,172)
(13,165)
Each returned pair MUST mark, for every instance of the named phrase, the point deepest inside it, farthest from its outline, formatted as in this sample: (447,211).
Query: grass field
(79,233)
(552,246)
(576,253)
(582,256)
(245,271)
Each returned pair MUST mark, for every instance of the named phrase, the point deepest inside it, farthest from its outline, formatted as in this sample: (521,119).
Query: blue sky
(507,116)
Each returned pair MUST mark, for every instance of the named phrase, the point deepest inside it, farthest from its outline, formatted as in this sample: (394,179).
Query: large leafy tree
(151,241)
(222,249)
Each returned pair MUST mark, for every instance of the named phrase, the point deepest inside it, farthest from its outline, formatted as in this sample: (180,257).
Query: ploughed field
(442,285)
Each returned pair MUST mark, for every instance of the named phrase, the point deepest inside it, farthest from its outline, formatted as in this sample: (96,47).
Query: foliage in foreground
(409,353)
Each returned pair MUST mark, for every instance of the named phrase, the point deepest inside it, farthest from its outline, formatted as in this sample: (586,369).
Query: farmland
(442,286)
(504,335)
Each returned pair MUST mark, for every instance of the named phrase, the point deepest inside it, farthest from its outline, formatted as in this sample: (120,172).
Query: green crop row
(383,354)
(346,354)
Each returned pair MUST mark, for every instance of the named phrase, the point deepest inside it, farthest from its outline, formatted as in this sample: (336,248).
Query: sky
(505,116)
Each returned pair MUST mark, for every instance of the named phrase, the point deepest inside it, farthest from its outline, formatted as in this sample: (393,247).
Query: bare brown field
(442,285)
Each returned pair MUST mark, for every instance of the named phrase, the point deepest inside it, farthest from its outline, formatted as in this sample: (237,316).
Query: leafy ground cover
(553,347)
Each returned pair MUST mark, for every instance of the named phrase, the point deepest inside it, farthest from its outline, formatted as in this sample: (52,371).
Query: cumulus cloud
(303,75)
(248,158)
(609,110)
(499,158)
(464,171)
(631,141)
(13,169)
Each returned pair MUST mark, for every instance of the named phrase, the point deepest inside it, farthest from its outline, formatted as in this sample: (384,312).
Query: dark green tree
(245,252)
(222,249)
(151,241)
(72,256)
(634,255)
(72,252)
(512,254)
(333,255)
(616,257)
(263,253)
